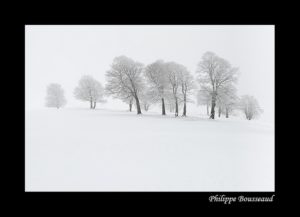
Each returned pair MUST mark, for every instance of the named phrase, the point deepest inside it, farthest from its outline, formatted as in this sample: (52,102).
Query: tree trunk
(250,116)
(94,105)
(227,113)
(91,104)
(176,108)
(184,108)
(220,111)
(163,112)
(138,107)
(213,104)
(130,106)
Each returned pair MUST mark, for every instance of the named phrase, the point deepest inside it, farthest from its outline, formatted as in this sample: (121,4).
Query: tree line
(168,84)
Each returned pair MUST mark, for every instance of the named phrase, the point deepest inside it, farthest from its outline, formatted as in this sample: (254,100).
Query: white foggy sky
(62,54)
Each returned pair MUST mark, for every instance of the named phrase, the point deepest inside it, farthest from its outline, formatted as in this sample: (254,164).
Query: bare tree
(249,105)
(227,99)
(98,94)
(215,72)
(124,80)
(187,86)
(170,103)
(173,72)
(157,77)
(89,90)
(55,96)
(148,97)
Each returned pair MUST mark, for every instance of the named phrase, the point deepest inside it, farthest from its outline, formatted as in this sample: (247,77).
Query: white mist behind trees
(55,96)
(204,98)
(61,54)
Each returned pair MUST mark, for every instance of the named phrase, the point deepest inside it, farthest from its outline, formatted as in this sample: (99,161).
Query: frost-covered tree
(227,99)
(215,72)
(125,80)
(148,97)
(187,86)
(55,96)
(157,78)
(89,90)
(249,105)
(173,72)
(170,103)
(98,94)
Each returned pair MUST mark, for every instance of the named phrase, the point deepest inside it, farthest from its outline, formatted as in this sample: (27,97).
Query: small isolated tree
(124,80)
(55,96)
(214,73)
(249,105)
(157,78)
(89,90)
(187,86)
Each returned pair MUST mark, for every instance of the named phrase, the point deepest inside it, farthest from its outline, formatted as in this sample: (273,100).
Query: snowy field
(105,150)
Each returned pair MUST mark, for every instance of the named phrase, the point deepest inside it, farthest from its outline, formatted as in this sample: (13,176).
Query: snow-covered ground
(109,150)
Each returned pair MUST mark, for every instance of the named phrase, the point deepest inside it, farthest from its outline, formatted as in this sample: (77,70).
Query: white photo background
(81,136)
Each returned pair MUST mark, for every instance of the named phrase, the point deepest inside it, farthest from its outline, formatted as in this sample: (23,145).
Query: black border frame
(159,20)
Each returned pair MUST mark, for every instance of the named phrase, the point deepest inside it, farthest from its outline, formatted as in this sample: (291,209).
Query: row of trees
(88,89)
(168,84)
(131,82)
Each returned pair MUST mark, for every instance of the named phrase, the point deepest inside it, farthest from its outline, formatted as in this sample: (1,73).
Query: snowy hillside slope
(106,150)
